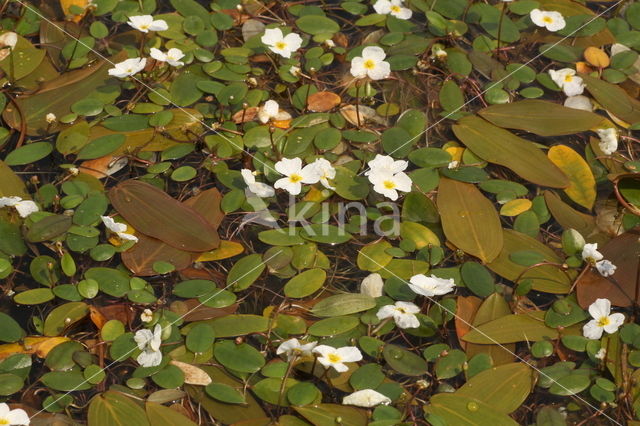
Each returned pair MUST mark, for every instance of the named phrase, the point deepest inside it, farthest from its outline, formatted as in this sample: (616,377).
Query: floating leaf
(462,410)
(511,329)
(326,414)
(582,184)
(115,409)
(500,146)
(543,118)
(469,219)
(343,304)
(503,388)
(154,213)
(614,99)
(323,101)
(305,284)
(147,251)
(159,415)
(64,316)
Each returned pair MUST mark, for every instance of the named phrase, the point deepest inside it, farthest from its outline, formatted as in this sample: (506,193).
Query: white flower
(51,118)
(146,23)
(603,320)
(552,21)
(322,171)
(453,164)
(260,189)
(149,343)
(579,102)
(118,228)
(295,175)
(271,111)
(23,207)
(403,314)
(294,71)
(172,57)
(606,268)
(371,64)
(74,171)
(601,354)
(431,286)
(366,398)
(292,348)
(9,39)
(13,417)
(392,7)
(389,184)
(590,253)
(329,43)
(608,140)
(372,285)
(281,44)
(386,164)
(332,357)
(568,81)
(146,315)
(128,67)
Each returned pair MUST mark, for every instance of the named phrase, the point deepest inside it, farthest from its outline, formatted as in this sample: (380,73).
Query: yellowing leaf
(66,8)
(455,152)
(469,220)
(596,57)
(32,345)
(582,184)
(419,234)
(226,250)
(515,207)
(192,374)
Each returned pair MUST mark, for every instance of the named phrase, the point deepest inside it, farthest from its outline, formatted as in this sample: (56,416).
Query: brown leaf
(192,374)
(245,115)
(193,310)
(323,101)
(207,203)
(621,288)
(154,213)
(466,308)
(103,166)
(32,345)
(140,258)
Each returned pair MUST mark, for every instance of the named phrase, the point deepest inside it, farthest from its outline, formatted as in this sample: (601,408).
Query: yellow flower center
(548,19)
(389,184)
(369,64)
(401,310)
(568,78)
(142,27)
(281,45)
(395,9)
(4,422)
(604,321)
(334,358)
(294,178)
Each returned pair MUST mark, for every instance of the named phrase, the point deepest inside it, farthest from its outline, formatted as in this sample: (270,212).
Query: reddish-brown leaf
(207,203)
(323,101)
(154,213)
(622,287)
(466,308)
(147,251)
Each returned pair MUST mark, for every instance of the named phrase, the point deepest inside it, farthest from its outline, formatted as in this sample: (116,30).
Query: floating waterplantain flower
(603,320)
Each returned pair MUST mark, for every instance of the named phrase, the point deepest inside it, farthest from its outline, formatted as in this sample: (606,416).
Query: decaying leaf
(323,101)
(192,374)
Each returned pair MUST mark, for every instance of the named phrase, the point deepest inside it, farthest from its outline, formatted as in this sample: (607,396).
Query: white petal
(157,54)
(366,398)
(615,321)
(271,108)
(600,308)
(26,207)
(159,25)
(380,71)
(18,417)
(112,225)
(357,67)
(247,176)
(403,182)
(409,307)
(350,354)
(288,346)
(324,350)
(142,338)
(372,285)
(382,7)
(289,166)
(386,311)
(9,201)
(537,17)
(262,190)
(404,13)
(272,36)
(407,321)
(591,330)
(4,410)
(294,41)
(579,102)
(149,358)
(293,188)
(375,53)
(558,22)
